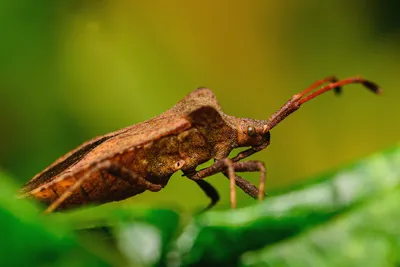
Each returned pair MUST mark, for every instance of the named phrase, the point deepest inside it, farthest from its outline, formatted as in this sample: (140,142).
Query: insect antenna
(307,94)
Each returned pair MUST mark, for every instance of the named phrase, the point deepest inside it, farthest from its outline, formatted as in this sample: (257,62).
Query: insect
(143,157)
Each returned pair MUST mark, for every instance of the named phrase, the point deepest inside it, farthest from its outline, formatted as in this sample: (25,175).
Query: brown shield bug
(144,156)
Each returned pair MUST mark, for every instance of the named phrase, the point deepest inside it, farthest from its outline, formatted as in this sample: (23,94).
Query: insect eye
(251,131)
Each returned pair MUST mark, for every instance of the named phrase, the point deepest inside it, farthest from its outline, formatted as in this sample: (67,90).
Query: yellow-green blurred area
(72,71)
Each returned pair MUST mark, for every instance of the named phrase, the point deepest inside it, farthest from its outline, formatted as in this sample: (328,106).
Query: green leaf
(366,236)
(222,237)
(29,239)
(139,235)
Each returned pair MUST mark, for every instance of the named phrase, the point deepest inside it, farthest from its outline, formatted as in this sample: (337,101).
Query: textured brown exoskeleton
(144,156)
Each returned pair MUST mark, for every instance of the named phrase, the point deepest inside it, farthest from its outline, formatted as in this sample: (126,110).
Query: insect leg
(210,192)
(115,169)
(251,166)
(132,178)
(246,186)
(219,166)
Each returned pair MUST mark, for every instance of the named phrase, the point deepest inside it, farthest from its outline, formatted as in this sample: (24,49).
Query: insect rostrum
(144,156)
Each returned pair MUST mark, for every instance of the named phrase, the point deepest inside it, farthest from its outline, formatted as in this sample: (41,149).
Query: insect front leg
(114,169)
(228,167)
(219,166)
(246,186)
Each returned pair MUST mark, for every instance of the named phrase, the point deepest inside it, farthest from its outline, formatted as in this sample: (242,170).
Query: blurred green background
(74,70)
